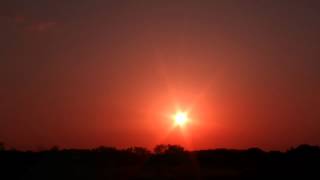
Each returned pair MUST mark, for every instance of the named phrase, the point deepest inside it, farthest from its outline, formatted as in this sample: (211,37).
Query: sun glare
(181,118)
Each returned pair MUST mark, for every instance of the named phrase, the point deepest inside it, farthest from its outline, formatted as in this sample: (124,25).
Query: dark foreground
(166,162)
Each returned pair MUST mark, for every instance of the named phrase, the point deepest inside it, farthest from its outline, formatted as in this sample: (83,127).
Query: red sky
(88,73)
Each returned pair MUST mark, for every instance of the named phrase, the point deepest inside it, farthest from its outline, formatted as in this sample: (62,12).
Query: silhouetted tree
(105,149)
(138,151)
(168,149)
(305,148)
(54,149)
(174,149)
(160,149)
(167,162)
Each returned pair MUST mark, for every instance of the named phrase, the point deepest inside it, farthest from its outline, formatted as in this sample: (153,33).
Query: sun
(180,118)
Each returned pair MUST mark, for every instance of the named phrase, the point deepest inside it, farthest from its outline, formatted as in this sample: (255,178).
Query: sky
(80,74)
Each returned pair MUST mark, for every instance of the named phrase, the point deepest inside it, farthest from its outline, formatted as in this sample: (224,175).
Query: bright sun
(181,118)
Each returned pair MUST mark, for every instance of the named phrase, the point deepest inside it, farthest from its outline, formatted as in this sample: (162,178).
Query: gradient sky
(81,73)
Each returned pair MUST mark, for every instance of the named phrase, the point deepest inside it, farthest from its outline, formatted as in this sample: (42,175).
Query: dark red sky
(86,73)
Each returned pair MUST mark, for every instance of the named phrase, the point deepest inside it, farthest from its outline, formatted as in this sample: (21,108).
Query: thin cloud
(29,24)
(41,26)
(17,19)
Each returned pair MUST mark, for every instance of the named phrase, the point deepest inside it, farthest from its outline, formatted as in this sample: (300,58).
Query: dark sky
(81,73)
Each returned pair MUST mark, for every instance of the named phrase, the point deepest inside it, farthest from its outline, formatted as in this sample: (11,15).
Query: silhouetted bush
(160,149)
(168,149)
(141,151)
(55,149)
(105,149)
(166,162)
